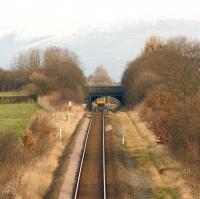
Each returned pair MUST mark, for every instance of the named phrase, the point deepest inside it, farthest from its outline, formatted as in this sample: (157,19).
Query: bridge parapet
(104,89)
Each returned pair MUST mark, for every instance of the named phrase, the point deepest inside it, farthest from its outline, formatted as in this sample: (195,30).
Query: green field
(15,117)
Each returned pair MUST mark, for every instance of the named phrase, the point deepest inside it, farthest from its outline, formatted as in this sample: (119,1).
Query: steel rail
(104,169)
(82,159)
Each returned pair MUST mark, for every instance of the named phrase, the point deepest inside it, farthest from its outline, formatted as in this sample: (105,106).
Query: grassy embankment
(140,144)
(15,117)
(34,180)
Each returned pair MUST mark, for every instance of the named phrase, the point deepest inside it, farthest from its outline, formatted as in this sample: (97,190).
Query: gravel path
(73,166)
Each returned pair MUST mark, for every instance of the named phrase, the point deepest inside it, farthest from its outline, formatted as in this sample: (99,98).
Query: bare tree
(54,55)
(100,77)
(152,44)
(28,60)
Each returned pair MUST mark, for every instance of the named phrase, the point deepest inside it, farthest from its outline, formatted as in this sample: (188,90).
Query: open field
(15,117)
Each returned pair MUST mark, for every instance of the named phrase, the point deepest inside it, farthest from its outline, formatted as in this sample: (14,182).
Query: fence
(17,99)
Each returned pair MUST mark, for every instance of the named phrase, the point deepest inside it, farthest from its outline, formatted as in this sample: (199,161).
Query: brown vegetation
(11,161)
(16,156)
(27,164)
(42,73)
(99,77)
(166,77)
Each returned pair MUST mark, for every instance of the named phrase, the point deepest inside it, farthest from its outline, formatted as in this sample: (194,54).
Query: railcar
(101,102)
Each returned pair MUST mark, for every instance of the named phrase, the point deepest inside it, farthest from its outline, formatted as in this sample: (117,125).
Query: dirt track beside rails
(122,180)
(116,173)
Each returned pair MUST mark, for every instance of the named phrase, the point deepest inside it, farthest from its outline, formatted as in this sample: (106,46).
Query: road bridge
(95,92)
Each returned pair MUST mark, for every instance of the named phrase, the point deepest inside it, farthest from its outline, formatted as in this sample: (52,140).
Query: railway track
(91,181)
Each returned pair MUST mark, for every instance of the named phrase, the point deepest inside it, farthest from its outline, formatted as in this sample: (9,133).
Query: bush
(40,73)
(41,125)
(9,147)
(166,78)
(10,164)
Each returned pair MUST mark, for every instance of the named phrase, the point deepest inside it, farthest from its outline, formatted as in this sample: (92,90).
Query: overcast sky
(74,13)
(108,32)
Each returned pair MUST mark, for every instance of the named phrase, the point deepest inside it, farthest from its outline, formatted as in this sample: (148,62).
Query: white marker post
(123,137)
(70,105)
(60,134)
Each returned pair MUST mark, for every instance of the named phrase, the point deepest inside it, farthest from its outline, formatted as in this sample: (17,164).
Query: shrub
(10,164)
(41,125)
(166,78)
(9,147)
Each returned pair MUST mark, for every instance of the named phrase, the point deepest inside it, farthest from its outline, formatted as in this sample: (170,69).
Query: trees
(25,63)
(41,73)
(64,73)
(60,72)
(152,44)
(167,80)
(99,77)
(10,80)
(138,78)
(28,59)
(174,67)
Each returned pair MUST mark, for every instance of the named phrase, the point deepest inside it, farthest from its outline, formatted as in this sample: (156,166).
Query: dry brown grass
(38,176)
(27,168)
(10,165)
(176,124)
(167,168)
(153,158)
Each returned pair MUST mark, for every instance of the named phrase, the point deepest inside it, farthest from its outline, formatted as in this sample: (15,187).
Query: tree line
(165,78)
(42,72)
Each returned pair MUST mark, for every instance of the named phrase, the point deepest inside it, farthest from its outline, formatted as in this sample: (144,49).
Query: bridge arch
(95,92)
